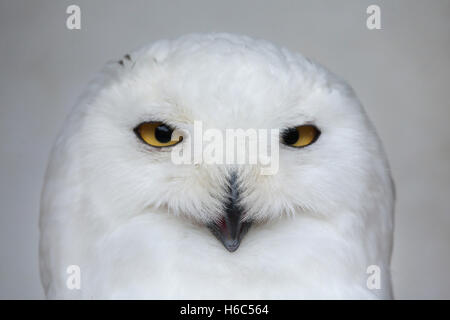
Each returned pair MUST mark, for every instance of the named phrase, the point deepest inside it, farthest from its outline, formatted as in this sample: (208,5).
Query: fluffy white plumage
(135,222)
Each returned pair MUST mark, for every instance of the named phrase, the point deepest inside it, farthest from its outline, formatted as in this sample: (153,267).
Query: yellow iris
(156,134)
(301,136)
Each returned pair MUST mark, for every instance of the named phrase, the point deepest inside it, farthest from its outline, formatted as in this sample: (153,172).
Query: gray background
(401,73)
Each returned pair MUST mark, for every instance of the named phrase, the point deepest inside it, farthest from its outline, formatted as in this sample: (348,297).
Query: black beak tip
(231,245)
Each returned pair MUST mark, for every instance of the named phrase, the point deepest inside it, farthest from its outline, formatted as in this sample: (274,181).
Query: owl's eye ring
(300,136)
(156,134)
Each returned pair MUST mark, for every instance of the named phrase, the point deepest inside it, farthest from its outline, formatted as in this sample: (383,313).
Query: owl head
(132,118)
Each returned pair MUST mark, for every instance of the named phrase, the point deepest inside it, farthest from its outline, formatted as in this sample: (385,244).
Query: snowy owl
(131,223)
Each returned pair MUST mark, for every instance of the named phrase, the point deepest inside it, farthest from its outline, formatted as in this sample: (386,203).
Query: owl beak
(230,229)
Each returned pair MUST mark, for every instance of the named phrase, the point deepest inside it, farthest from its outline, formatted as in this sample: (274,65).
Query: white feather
(134,221)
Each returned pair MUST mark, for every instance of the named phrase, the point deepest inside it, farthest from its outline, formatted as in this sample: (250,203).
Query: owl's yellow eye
(300,136)
(156,134)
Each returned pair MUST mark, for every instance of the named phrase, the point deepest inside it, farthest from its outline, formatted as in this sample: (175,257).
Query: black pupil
(290,136)
(163,133)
